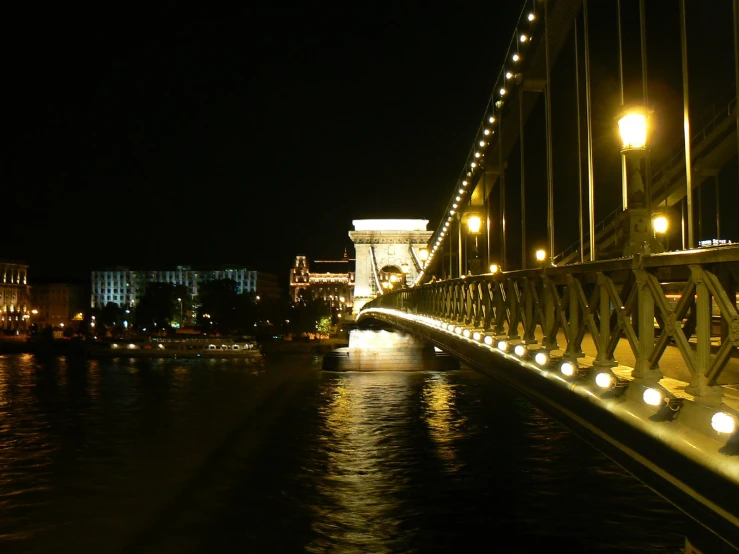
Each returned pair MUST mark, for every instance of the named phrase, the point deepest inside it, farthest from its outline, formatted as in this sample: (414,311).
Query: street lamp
(404,267)
(660,224)
(474,223)
(541,255)
(633,126)
(494,268)
(180,301)
(423,254)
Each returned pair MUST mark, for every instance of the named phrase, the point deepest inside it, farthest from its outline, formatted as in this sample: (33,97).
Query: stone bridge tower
(384,248)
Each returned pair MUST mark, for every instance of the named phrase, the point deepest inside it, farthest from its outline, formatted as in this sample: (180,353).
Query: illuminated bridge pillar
(385,247)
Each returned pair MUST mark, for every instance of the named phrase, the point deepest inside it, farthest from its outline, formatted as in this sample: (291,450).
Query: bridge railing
(653,301)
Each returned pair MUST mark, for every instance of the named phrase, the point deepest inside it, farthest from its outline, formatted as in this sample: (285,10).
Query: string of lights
(508,77)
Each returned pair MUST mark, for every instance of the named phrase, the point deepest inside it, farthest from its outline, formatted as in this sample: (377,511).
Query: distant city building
(125,287)
(14,296)
(57,304)
(299,278)
(330,280)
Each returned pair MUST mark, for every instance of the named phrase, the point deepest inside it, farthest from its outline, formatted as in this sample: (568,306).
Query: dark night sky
(233,134)
(241,135)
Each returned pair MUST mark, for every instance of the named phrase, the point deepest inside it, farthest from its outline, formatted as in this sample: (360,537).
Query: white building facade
(125,288)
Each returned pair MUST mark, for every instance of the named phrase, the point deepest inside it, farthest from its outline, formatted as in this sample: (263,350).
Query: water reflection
(444,421)
(294,459)
(361,435)
(93,380)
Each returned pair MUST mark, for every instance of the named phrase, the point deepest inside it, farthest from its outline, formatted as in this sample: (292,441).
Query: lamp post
(541,256)
(423,255)
(180,301)
(633,125)
(474,223)
(404,267)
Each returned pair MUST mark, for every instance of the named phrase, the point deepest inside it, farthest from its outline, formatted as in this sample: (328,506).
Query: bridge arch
(383,248)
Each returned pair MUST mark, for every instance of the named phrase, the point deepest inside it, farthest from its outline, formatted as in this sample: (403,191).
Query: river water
(220,456)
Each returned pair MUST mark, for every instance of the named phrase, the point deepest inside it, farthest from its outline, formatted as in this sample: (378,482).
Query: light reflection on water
(212,456)
(445,422)
(358,437)
(427,461)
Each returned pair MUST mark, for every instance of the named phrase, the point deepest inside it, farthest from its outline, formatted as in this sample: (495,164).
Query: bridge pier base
(704,393)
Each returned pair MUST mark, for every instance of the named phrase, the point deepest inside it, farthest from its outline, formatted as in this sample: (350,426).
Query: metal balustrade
(681,437)
(618,299)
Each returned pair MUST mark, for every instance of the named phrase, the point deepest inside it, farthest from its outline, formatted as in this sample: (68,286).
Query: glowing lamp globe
(632,125)
(473,224)
(660,224)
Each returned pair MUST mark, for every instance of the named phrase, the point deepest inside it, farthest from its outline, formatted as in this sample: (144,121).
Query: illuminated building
(57,304)
(125,287)
(14,296)
(114,286)
(329,280)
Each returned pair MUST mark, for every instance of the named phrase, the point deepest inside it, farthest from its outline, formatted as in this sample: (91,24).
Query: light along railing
(681,440)
(610,299)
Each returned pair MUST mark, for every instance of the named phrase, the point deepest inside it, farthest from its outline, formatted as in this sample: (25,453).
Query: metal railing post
(699,385)
(645,331)
(550,316)
(604,327)
(512,310)
(529,336)
(573,320)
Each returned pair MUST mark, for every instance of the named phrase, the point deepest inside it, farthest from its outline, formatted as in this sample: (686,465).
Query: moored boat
(178,347)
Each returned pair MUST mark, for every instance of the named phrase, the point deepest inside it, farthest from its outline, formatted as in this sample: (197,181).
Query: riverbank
(54,346)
